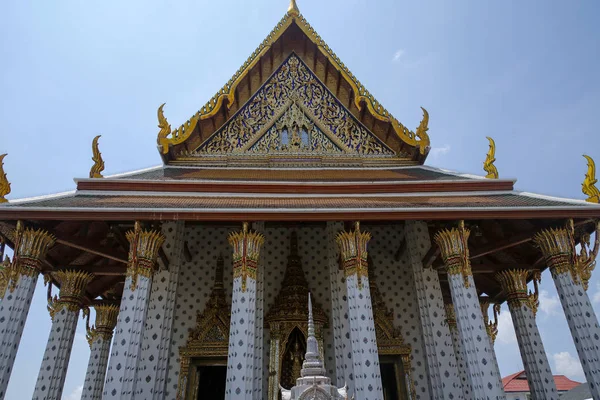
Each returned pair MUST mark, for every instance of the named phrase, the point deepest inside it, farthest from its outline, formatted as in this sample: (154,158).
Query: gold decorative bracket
(98,167)
(488,164)
(4,184)
(589,183)
(491,327)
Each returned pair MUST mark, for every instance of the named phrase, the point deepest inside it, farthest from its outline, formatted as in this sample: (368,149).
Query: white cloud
(436,152)
(549,305)
(506,329)
(75,394)
(566,364)
(397,55)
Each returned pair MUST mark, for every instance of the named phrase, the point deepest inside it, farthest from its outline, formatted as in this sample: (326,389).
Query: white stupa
(313,384)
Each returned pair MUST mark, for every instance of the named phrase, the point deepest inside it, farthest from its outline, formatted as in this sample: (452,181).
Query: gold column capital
(450,315)
(514,285)
(72,291)
(31,246)
(353,249)
(491,327)
(560,252)
(246,252)
(106,320)
(143,252)
(454,248)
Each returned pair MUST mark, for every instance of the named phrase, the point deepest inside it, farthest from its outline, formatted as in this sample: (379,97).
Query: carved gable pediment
(293,112)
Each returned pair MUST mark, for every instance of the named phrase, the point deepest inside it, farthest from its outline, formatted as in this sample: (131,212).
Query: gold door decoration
(389,339)
(287,318)
(208,339)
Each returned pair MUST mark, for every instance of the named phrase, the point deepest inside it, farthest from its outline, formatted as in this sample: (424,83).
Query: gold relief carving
(31,246)
(4,184)
(491,327)
(106,320)
(210,336)
(353,249)
(72,291)
(285,100)
(560,252)
(488,164)
(361,95)
(246,250)
(454,247)
(514,285)
(143,251)
(450,315)
(589,183)
(98,167)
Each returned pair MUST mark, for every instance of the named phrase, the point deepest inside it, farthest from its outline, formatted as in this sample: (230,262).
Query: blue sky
(524,73)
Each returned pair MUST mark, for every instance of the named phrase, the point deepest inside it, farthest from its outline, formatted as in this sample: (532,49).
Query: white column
(365,356)
(17,284)
(65,313)
(483,378)
(339,311)
(259,324)
(571,273)
(458,351)
(125,355)
(99,337)
(156,342)
(441,361)
(240,359)
(523,307)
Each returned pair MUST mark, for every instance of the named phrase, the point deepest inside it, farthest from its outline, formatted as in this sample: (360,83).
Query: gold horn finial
(98,167)
(4,184)
(165,130)
(488,164)
(423,127)
(293,8)
(589,183)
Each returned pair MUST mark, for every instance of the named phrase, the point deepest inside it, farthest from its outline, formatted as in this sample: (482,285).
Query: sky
(523,73)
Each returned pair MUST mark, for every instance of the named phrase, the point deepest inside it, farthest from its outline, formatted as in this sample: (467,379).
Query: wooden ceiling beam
(88,247)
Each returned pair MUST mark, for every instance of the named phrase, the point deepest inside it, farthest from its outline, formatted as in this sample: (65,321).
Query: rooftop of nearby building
(517,382)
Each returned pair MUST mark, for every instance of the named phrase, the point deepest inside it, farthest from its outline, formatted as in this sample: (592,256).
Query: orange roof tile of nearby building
(517,382)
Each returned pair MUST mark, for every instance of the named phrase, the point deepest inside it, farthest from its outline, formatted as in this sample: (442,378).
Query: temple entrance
(392,378)
(292,358)
(207,377)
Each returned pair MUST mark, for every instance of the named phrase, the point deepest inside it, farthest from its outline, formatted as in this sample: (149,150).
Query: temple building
(293,179)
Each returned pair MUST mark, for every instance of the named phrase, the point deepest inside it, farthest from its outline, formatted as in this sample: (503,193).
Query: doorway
(208,378)
(392,378)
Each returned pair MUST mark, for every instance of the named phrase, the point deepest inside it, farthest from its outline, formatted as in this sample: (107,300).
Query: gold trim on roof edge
(419,138)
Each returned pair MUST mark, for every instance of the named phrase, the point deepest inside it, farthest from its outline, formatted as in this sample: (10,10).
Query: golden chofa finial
(4,184)
(98,167)
(488,164)
(165,130)
(293,8)
(589,183)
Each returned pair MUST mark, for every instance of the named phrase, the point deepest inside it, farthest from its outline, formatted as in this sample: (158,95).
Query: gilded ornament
(143,251)
(106,320)
(589,183)
(72,291)
(450,315)
(488,164)
(293,8)
(4,184)
(177,136)
(246,250)
(454,247)
(98,167)
(353,249)
(226,95)
(491,327)
(514,285)
(31,246)
(560,252)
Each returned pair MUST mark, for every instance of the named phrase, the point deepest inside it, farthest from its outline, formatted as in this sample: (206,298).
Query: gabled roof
(517,382)
(292,34)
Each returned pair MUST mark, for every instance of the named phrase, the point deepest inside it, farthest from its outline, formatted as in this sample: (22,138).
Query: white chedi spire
(312,365)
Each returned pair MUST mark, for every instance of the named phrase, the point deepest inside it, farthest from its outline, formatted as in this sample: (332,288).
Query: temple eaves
(361,99)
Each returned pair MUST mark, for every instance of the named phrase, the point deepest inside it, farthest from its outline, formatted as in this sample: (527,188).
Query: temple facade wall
(196,279)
